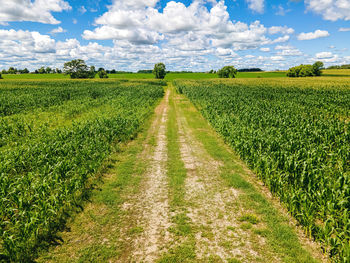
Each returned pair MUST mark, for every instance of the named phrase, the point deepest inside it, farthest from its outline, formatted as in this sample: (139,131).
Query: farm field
(296,136)
(54,136)
(94,171)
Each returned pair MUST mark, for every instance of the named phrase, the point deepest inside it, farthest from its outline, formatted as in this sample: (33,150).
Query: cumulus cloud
(26,10)
(265,49)
(280,30)
(256,5)
(344,29)
(287,50)
(323,55)
(313,35)
(330,9)
(57,30)
(193,26)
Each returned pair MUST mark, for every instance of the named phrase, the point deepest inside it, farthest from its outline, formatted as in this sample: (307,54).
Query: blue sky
(196,35)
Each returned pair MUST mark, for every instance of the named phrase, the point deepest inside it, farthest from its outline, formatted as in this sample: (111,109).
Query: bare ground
(150,208)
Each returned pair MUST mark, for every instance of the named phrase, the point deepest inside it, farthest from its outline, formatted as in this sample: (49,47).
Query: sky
(193,35)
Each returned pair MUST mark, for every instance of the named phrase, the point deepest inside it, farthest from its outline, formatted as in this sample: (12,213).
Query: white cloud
(330,9)
(281,11)
(344,29)
(265,49)
(256,5)
(280,39)
(277,58)
(280,30)
(26,10)
(288,50)
(82,9)
(57,30)
(323,55)
(313,35)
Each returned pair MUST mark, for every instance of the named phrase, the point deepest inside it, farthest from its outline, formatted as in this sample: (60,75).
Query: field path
(177,193)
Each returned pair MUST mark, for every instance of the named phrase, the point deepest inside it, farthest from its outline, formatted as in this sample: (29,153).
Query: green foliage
(77,69)
(0,76)
(306,70)
(297,140)
(159,71)
(47,167)
(227,72)
(102,74)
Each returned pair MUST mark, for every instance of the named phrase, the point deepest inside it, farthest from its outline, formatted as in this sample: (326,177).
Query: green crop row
(297,139)
(45,172)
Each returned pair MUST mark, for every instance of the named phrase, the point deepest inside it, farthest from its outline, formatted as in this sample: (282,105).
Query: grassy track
(213,209)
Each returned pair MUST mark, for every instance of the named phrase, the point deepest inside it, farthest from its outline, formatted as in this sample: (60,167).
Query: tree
(102,74)
(48,70)
(12,70)
(0,76)
(41,70)
(306,70)
(4,71)
(317,66)
(58,70)
(77,69)
(25,71)
(159,71)
(227,72)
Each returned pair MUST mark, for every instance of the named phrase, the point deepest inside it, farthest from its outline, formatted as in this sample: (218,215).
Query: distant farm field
(172,76)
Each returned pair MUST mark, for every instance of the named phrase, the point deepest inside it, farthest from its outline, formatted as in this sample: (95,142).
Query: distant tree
(58,71)
(77,69)
(227,72)
(100,69)
(145,71)
(25,71)
(48,70)
(0,76)
(12,70)
(102,74)
(113,71)
(41,70)
(4,71)
(159,71)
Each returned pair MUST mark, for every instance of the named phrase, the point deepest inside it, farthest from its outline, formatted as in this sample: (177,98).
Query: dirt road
(179,194)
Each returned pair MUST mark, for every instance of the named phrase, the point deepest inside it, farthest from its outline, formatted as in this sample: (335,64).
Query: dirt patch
(150,209)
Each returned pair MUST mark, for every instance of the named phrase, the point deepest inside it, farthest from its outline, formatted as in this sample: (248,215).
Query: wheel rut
(152,203)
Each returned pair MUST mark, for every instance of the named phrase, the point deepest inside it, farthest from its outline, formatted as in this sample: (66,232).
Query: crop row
(45,175)
(297,140)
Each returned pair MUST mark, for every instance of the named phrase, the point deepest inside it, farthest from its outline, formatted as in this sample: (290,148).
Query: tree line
(77,69)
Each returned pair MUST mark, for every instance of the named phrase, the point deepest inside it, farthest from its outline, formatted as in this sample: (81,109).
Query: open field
(94,171)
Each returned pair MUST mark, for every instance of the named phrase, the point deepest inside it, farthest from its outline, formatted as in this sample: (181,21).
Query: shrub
(227,72)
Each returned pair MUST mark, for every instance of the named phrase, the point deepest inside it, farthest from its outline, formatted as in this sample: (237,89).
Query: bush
(102,74)
(227,72)
(0,76)
(77,69)
(159,71)
(306,70)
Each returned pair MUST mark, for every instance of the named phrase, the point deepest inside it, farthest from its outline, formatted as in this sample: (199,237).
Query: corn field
(54,136)
(296,136)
